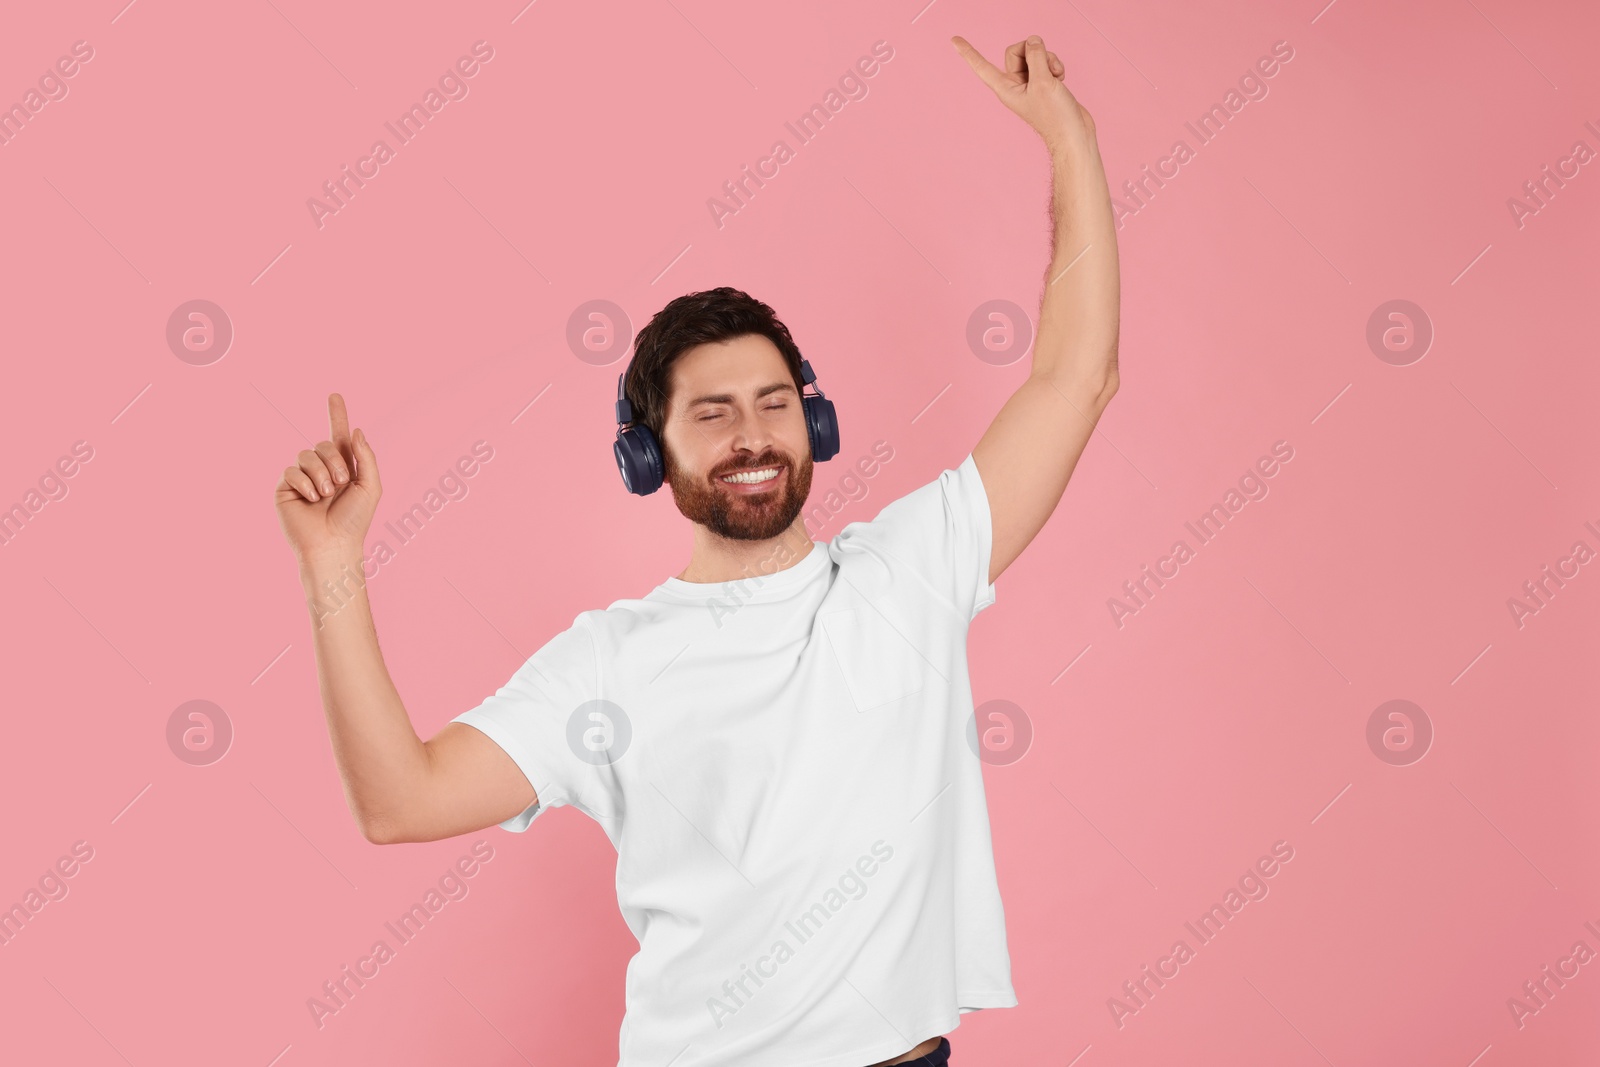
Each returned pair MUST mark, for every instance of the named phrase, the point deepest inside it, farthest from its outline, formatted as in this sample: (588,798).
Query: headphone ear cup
(638,460)
(822,426)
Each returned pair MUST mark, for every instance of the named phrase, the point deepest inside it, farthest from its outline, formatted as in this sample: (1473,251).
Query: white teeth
(748,477)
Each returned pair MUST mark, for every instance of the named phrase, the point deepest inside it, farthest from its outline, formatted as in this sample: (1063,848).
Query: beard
(706,500)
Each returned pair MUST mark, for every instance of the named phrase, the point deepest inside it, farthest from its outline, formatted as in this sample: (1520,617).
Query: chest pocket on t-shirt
(878,663)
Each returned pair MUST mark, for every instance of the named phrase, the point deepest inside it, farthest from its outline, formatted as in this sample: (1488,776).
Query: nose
(751,438)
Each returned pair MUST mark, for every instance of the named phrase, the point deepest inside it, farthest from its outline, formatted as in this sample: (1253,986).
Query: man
(777,740)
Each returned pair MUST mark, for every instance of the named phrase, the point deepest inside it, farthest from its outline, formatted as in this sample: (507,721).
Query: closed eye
(718,415)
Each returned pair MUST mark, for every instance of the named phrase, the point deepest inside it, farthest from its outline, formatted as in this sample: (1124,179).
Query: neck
(719,559)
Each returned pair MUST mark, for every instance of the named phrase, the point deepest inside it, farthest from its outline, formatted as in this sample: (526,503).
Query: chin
(710,502)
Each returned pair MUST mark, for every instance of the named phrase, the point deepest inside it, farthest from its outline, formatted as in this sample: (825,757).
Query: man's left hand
(1031,85)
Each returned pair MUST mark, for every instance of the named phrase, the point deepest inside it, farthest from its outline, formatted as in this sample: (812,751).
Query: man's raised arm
(398,787)
(1028,453)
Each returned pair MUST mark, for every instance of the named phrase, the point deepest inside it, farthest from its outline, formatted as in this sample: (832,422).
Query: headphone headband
(624,409)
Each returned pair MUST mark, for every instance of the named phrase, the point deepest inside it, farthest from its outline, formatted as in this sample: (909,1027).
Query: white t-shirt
(783,763)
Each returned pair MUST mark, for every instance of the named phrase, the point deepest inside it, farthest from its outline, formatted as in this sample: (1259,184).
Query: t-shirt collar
(755,586)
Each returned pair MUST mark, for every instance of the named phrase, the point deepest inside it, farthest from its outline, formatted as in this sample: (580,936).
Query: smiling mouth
(754,476)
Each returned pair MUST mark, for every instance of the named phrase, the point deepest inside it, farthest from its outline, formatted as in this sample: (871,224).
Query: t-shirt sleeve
(941,532)
(530,716)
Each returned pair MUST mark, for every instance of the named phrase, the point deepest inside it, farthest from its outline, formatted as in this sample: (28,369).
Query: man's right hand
(326,503)
(398,788)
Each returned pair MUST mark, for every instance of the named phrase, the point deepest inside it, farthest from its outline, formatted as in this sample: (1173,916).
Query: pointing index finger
(339,425)
(982,67)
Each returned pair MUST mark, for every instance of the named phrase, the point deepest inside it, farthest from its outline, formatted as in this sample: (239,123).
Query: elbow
(1110,378)
(1088,385)
(378,831)
(1098,390)
(1107,381)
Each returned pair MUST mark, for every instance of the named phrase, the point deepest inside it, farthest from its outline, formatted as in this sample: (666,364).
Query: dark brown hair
(714,315)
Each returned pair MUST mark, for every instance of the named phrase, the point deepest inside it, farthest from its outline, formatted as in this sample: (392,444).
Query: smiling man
(738,499)
(779,739)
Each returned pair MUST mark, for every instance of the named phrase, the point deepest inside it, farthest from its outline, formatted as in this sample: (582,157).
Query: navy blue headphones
(639,455)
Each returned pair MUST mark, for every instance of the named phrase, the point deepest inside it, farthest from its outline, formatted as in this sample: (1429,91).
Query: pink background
(1228,714)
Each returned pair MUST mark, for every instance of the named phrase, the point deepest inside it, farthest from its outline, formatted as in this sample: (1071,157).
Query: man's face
(734,409)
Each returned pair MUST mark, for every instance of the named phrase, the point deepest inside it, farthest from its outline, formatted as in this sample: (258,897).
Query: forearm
(1079,312)
(382,762)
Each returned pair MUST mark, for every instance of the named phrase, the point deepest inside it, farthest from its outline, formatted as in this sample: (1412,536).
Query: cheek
(796,440)
(689,447)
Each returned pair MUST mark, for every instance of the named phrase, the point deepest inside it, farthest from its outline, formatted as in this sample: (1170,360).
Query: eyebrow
(728,398)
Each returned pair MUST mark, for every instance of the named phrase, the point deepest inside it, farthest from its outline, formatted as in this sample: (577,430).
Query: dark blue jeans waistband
(939,1057)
